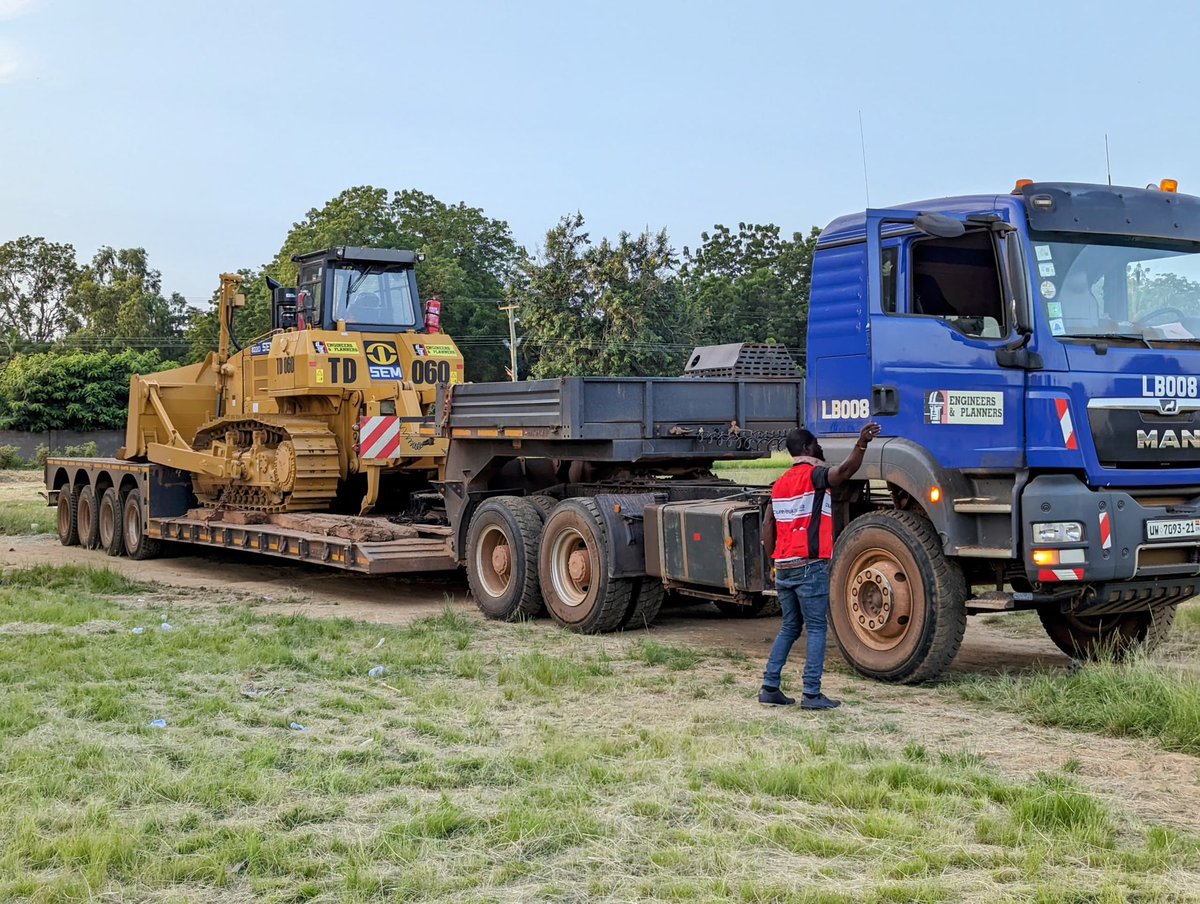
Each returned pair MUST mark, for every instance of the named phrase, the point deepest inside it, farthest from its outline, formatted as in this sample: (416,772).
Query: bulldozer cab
(370,290)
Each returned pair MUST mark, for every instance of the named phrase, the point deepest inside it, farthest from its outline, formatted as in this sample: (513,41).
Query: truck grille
(1144,437)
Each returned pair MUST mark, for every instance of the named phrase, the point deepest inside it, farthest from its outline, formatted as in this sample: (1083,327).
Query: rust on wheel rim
(879,600)
(493,561)
(133,526)
(108,523)
(571,567)
(64,517)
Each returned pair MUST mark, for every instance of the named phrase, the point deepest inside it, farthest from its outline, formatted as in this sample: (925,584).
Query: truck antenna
(1107,159)
(862,137)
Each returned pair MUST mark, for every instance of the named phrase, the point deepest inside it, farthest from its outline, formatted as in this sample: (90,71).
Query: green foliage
(600,309)
(72,391)
(35,281)
(751,285)
(10,457)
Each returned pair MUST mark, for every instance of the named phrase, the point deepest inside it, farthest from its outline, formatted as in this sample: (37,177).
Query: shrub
(10,457)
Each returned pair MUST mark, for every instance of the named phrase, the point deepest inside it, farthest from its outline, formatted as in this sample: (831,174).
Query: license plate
(1173,529)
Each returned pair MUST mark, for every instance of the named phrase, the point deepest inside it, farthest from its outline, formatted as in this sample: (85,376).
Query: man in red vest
(798,530)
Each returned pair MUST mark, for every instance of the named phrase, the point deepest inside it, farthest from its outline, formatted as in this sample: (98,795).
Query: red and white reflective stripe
(1050,575)
(378,437)
(1065,424)
(1105,531)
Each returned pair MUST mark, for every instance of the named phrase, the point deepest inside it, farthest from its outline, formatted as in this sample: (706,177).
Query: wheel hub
(501,561)
(579,567)
(880,603)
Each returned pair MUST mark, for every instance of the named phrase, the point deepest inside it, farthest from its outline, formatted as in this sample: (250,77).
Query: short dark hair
(799,439)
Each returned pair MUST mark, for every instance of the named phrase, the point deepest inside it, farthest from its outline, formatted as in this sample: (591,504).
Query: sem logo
(381,353)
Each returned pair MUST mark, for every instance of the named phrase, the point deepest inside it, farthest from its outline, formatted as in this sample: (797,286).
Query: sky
(203,131)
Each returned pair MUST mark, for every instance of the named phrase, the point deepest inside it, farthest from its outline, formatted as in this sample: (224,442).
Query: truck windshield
(1101,289)
(375,297)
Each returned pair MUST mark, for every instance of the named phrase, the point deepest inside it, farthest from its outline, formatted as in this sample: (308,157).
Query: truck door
(939,312)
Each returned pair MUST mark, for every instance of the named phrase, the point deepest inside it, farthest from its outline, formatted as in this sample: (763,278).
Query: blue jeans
(804,599)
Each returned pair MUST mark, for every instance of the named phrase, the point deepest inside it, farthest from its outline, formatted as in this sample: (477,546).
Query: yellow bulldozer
(322,407)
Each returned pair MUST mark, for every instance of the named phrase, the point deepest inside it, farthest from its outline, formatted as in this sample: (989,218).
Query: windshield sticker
(1056,327)
(1043,252)
(1048,289)
(1054,309)
(1046,269)
(954,406)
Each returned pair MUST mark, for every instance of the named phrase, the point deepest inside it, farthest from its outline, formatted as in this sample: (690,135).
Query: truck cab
(1033,360)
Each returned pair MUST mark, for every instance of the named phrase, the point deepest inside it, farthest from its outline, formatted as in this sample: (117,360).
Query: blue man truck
(1032,356)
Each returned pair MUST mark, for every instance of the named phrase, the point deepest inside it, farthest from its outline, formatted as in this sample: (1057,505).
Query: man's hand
(868,433)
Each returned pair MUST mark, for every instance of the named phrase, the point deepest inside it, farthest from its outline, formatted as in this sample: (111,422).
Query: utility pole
(512,338)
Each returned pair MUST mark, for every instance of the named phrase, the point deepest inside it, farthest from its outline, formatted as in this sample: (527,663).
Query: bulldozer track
(314,453)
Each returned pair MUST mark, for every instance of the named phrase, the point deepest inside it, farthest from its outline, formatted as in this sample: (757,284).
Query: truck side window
(958,280)
(891,257)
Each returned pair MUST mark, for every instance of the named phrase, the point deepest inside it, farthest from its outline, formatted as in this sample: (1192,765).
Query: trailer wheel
(573,568)
(1112,635)
(112,534)
(68,523)
(87,518)
(137,544)
(646,602)
(502,560)
(897,604)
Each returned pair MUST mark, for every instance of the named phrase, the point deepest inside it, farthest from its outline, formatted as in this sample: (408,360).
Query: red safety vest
(794,499)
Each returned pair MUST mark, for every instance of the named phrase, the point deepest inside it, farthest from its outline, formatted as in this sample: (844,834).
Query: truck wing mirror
(939,225)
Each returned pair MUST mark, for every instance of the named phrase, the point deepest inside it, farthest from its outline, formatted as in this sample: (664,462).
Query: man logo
(382,353)
(1168,406)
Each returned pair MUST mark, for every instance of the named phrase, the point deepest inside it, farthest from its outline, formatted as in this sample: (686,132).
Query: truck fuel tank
(714,543)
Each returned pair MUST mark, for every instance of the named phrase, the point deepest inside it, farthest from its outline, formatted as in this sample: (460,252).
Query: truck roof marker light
(1021,183)
(935,494)
(1045,557)
(1042,202)
(1169,185)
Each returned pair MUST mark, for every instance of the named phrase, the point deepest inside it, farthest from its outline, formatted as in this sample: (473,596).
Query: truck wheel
(1115,635)
(573,568)
(137,544)
(112,535)
(502,544)
(87,518)
(544,504)
(647,599)
(68,523)
(896,603)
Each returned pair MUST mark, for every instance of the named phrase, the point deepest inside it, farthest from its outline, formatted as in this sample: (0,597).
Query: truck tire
(112,533)
(573,568)
(544,504)
(897,605)
(1111,635)
(87,518)
(68,523)
(133,523)
(502,550)
(645,603)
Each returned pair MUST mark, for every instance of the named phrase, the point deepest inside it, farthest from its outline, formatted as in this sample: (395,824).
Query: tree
(752,285)
(470,258)
(74,391)
(35,281)
(117,302)
(599,309)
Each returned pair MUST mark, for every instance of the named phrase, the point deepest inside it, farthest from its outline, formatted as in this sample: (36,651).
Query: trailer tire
(67,517)
(111,527)
(133,525)
(502,550)
(897,603)
(573,569)
(544,504)
(645,603)
(87,518)
(1117,636)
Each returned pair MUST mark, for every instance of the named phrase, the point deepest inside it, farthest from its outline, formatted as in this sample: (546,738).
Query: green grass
(755,472)
(492,762)
(1141,697)
(21,518)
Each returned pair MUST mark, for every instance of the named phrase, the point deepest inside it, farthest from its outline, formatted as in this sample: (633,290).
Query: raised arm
(853,462)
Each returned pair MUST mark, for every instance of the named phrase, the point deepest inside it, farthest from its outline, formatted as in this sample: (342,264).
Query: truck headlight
(1058,532)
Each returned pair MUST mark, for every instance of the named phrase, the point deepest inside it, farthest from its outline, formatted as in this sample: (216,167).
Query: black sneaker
(817,701)
(775,697)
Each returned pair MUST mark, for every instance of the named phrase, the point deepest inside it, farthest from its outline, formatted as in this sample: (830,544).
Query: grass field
(489,763)
(756,472)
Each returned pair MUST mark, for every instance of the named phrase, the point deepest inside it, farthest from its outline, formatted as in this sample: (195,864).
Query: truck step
(992,601)
(982,505)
